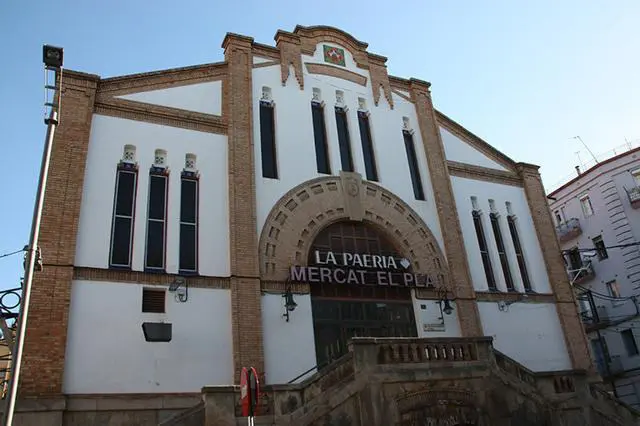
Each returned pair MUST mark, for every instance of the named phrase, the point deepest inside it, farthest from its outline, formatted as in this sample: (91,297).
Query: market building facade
(293,208)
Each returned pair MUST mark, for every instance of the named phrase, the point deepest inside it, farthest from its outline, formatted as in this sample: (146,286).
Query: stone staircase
(406,381)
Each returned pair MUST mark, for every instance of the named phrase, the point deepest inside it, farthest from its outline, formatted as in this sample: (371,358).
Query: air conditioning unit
(603,315)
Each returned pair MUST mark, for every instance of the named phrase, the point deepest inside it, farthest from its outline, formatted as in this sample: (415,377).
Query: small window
(629,342)
(587,208)
(600,248)
(153,300)
(558,217)
(613,288)
(636,176)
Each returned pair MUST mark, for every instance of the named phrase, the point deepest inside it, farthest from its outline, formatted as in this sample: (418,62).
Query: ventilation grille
(153,300)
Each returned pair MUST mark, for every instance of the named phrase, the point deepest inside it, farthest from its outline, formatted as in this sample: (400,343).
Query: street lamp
(52,59)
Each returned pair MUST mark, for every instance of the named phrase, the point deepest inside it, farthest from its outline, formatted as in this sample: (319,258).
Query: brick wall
(468,314)
(245,281)
(566,306)
(45,343)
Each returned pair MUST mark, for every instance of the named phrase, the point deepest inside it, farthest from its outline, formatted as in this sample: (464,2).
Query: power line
(13,252)
(634,244)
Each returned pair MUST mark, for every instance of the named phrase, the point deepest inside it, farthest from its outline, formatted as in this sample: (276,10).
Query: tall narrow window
(123,210)
(412,158)
(502,252)
(587,208)
(484,250)
(268,135)
(367,146)
(320,134)
(613,288)
(344,141)
(189,218)
(157,214)
(513,229)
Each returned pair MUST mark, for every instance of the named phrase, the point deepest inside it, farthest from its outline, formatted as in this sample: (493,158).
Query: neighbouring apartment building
(598,224)
(296,209)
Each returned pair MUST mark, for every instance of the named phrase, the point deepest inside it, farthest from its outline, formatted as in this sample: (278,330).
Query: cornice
(471,171)
(157,114)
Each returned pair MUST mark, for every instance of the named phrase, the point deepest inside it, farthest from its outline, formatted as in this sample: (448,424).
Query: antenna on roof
(585,145)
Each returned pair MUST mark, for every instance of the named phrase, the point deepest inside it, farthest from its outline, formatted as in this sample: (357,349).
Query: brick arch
(298,217)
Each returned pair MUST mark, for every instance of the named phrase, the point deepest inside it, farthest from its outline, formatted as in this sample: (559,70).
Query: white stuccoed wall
(295,144)
(431,315)
(202,97)
(458,150)
(463,190)
(289,347)
(108,137)
(530,333)
(107,353)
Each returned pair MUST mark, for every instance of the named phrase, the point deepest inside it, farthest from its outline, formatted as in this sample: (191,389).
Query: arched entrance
(358,307)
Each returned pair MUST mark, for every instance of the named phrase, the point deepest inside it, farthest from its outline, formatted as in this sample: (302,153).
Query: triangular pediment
(200,97)
(462,146)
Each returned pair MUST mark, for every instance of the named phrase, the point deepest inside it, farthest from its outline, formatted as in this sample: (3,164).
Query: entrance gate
(343,311)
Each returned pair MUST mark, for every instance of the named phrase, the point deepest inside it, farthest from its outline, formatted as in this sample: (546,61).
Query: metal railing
(569,229)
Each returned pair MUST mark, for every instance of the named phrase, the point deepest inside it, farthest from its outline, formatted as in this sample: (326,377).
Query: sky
(525,76)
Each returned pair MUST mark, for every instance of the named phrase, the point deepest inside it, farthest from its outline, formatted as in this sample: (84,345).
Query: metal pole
(16,358)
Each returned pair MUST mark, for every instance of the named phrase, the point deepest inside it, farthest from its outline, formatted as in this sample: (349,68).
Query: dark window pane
(320,138)
(121,241)
(416,181)
(157,196)
(188,200)
(124,194)
(188,247)
(268,141)
(484,253)
(367,147)
(504,261)
(155,244)
(513,230)
(343,140)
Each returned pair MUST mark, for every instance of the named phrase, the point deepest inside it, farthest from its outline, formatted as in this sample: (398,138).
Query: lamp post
(52,58)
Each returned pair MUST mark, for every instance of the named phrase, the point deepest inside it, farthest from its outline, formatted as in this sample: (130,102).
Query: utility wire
(600,248)
(13,252)
(606,296)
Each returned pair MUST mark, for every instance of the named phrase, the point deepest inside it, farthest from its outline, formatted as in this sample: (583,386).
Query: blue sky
(524,76)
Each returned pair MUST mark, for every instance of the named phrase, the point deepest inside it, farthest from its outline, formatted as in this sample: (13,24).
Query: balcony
(634,197)
(581,273)
(569,230)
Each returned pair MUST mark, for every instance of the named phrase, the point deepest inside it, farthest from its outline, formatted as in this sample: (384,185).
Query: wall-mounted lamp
(503,306)
(289,303)
(445,303)
(180,288)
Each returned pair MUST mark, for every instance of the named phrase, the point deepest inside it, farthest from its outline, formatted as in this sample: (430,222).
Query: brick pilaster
(461,283)
(290,54)
(44,351)
(245,280)
(566,305)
